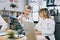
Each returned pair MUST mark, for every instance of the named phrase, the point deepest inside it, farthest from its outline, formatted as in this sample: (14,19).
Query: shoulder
(50,21)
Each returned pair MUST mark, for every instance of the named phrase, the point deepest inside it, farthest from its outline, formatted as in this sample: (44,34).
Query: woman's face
(41,15)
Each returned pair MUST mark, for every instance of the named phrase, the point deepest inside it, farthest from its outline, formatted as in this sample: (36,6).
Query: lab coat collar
(25,15)
(43,19)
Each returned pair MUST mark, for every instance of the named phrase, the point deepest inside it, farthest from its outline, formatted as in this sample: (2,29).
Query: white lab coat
(47,27)
(3,23)
(24,19)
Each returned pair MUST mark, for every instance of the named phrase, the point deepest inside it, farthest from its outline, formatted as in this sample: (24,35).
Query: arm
(20,19)
(3,23)
(50,28)
(4,26)
(36,29)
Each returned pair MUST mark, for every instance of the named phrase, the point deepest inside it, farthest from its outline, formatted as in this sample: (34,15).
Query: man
(26,16)
(3,23)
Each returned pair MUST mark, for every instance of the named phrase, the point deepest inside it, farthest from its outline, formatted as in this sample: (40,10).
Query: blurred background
(11,9)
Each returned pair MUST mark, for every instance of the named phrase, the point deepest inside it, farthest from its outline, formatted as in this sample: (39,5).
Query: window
(50,2)
(54,12)
(5,13)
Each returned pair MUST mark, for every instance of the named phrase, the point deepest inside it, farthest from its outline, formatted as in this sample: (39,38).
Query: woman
(46,25)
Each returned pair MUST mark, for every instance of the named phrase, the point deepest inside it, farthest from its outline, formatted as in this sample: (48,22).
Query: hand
(38,33)
(0,26)
(6,30)
(20,19)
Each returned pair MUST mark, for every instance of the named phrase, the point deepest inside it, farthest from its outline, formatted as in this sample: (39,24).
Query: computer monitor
(29,30)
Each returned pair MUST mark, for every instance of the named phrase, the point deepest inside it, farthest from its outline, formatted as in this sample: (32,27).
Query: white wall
(35,8)
(57,2)
(2,5)
(38,4)
(21,4)
(6,4)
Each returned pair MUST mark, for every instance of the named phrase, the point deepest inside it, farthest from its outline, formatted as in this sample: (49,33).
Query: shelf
(51,5)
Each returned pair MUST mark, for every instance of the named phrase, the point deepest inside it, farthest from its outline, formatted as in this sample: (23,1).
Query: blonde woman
(46,25)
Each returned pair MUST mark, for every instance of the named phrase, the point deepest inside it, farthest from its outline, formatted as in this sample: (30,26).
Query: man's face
(27,11)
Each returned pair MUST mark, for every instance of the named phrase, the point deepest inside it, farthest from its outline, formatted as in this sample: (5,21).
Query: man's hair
(28,7)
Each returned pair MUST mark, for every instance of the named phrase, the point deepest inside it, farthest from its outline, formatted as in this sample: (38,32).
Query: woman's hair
(45,12)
